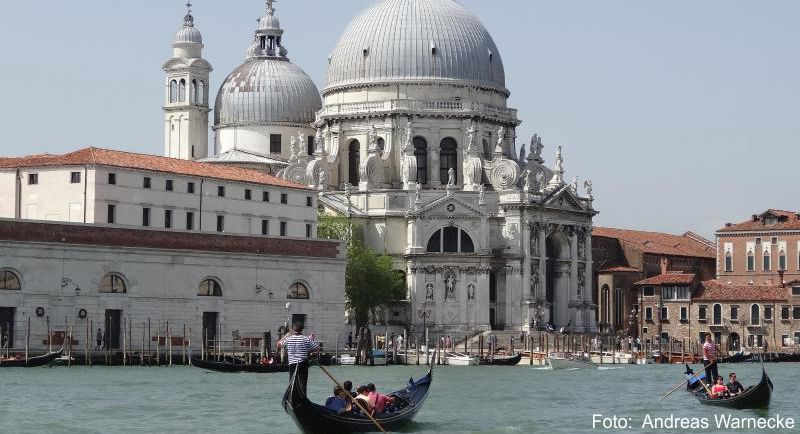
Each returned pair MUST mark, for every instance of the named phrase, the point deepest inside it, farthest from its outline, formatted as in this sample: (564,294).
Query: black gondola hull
(237,367)
(32,362)
(502,360)
(312,418)
(757,396)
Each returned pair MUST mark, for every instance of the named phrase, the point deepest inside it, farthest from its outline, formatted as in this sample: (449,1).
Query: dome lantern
(188,36)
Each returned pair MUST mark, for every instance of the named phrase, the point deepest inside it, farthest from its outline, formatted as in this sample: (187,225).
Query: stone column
(542,263)
(433,159)
(482,297)
(573,254)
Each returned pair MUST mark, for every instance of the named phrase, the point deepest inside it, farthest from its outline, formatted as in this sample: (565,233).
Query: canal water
(520,399)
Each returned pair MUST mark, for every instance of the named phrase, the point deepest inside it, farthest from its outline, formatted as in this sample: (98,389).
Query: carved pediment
(563,198)
(449,206)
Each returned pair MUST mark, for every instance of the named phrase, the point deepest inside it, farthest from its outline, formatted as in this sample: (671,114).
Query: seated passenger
(719,390)
(363,399)
(348,387)
(339,402)
(734,387)
(379,401)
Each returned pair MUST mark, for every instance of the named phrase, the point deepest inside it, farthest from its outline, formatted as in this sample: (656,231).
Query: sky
(684,114)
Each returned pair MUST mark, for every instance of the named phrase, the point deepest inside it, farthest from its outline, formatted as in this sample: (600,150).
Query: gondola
(313,418)
(226,366)
(752,397)
(502,360)
(32,361)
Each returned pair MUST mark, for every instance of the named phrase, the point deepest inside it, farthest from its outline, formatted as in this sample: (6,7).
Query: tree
(370,279)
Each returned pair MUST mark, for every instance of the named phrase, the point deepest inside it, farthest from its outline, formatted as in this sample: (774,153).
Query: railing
(422,106)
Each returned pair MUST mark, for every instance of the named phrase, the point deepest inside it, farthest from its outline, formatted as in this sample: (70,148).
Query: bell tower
(186,94)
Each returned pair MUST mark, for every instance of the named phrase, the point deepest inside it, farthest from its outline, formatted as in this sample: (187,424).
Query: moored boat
(569,361)
(461,359)
(31,362)
(226,366)
(501,360)
(313,418)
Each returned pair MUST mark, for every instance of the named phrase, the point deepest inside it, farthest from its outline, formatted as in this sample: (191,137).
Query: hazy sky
(684,113)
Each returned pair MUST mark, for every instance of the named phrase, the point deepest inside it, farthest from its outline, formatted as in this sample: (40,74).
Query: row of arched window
(114,283)
(766,260)
(755,314)
(448,158)
(178,91)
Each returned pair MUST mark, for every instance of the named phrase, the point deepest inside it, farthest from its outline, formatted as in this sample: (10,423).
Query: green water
(462,399)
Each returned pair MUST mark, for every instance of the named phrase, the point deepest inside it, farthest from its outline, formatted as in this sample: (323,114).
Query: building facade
(73,276)
(624,257)
(762,250)
(117,188)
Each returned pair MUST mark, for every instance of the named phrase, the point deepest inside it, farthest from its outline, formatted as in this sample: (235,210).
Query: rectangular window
(781,261)
(145,216)
(796,290)
(265,196)
(112,179)
(248,194)
(774,240)
(758,241)
(668,292)
(797,338)
(785,341)
(189,221)
(664,314)
(767,313)
(284,198)
(190,187)
(682,292)
(684,313)
(112,213)
(309,201)
(75,177)
(796,312)
(33,178)
(264,227)
(734,312)
(275,143)
(283,229)
(702,312)
(648,313)
(784,312)
(221,190)
(751,262)
(308,231)
(767,262)
(146,182)
(220,223)
(644,331)
(310,145)
(648,291)
(168,186)
(168,218)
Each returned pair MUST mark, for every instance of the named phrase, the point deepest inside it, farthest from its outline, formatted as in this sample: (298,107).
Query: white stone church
(414,139)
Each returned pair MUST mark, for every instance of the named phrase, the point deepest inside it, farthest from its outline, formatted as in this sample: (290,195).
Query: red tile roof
(107,157)
(688,244)
(714,290)
(787,220)
(94,235)
(619,269)
(668,279)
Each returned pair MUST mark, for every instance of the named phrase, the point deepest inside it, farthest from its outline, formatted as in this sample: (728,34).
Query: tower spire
(188,20)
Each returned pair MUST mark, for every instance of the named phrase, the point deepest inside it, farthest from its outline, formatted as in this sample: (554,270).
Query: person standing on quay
(710,359)
(99,339)
(299,348)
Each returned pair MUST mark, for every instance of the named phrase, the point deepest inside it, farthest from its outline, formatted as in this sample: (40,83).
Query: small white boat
(461,359)
(347,359)
(569,361)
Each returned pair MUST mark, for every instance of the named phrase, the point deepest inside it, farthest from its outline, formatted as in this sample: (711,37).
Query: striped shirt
(709,351)
(298,347)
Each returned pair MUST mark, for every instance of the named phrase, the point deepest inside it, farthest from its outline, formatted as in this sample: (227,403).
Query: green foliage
(335,227)
(370,281)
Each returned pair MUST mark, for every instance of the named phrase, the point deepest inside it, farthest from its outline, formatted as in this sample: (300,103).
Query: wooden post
(27,339)
(683,350)
(69,361)
(130,341)
(183,345)
(124,341)
(169,344)
(91,327)
(158,346)
(149,339)
(49,336)
(141,353)
(88,343)
(189,345)
(416,344)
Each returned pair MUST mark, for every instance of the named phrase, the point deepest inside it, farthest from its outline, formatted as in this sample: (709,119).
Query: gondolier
(710,360)
(298,349)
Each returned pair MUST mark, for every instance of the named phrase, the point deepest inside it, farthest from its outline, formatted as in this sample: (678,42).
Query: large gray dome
(413,40)
(266,90)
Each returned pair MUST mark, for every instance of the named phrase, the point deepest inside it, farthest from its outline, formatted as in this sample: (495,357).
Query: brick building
(759,250)
(624,257)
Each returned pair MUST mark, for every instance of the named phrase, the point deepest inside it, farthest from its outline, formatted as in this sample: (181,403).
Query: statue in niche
(526,176)
(481,195)
(501,137)
(409,135)
(470,292)
(451,177)
(429,292)
(450,287)
(535,280)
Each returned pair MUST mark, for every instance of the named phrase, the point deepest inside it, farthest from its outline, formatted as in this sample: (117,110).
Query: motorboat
(569,361)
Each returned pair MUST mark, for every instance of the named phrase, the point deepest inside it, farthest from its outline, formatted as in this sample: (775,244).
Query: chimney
(755,217)
(728,224)
(780,277)
(664,265)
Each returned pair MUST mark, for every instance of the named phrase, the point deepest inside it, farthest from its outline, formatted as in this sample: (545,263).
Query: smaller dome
(269,22)
(188,35)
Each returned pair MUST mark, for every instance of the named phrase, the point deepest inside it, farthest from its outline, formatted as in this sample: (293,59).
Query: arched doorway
(557,283)
(734,342)
(353,162)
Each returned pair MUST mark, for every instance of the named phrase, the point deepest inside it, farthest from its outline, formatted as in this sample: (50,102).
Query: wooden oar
(682,383)
(364,410)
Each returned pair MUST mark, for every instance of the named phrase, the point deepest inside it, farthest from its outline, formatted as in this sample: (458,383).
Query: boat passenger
(379,400)
(719,390)
(348,386)
(339,402)
(363,398)
(734,387)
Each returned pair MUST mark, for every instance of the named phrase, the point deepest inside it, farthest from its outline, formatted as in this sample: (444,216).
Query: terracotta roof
(155,163)
(688,244)
(714,290)
(787,220)
(94,235)
(619,269)
(668,279)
